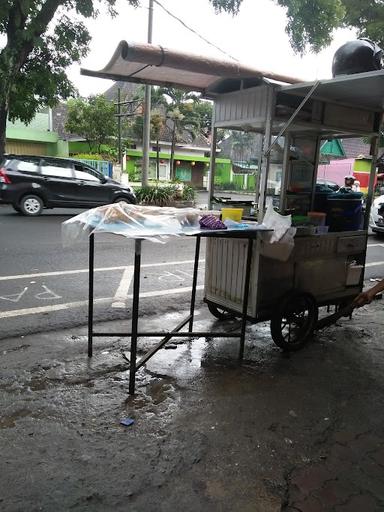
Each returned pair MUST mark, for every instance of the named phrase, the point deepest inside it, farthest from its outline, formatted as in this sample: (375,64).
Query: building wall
(35,138)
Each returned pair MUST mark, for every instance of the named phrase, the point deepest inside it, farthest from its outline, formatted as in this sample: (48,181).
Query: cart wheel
(294,321)
(220,312)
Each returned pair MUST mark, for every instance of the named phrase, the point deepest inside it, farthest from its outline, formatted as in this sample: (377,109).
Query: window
(56,169)
(91,171)
(26,165)
(85,173)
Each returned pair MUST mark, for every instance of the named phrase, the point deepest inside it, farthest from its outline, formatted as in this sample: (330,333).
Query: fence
(102,166)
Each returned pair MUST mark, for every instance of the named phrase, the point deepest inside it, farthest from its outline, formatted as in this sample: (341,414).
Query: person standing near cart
(368,296)
(348,185)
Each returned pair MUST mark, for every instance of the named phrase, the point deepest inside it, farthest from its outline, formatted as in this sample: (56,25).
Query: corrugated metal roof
(153,64)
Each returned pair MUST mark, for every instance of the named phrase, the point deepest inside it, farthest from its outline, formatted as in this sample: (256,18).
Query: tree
(310,23)
(182,117)
(92,118)
(41,39)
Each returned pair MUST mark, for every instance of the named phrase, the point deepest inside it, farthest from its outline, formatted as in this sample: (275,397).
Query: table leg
(194,283)
(135,316)
(245,297)
(91,264)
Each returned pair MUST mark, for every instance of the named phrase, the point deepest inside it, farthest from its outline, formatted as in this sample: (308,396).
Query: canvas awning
(153,64)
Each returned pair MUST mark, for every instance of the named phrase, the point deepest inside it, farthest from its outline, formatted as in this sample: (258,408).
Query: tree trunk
(157,159)
(171,162)
(3,126)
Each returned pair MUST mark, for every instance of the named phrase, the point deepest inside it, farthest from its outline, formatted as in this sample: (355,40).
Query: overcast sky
(256,36)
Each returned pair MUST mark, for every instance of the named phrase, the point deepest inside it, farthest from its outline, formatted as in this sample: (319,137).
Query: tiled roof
(355,147)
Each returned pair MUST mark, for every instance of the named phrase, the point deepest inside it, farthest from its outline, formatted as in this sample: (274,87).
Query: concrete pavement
(294,433)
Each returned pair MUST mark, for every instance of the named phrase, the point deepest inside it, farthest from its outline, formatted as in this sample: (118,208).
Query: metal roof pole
(372,176)
(212,163)
(147,110)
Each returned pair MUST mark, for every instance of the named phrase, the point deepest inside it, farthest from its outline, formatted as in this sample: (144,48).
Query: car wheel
(31,205)
(122,200)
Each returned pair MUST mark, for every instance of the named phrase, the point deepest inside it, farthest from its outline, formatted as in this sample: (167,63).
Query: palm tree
(184,120)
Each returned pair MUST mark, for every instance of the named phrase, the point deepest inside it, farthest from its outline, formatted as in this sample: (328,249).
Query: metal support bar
(161,344)
(184,334)
(194,283)
(91,264)
(293,116)
(245,297)
(135,316)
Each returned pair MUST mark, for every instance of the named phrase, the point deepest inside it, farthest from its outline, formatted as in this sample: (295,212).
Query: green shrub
(164,195)
(87,156)
(156,196)
(189,193)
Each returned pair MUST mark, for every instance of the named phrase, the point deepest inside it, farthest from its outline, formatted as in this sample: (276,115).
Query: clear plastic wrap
(131,221)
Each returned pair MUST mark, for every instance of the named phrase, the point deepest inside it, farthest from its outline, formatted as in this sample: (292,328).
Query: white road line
(85,270)
(374,264)
(375,245)
(70,305)
(122,291)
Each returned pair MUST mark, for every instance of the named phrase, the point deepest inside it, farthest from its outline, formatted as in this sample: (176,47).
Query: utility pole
(119,123)
(147,110)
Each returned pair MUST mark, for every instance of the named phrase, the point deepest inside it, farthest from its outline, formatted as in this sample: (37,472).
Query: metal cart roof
(363,90)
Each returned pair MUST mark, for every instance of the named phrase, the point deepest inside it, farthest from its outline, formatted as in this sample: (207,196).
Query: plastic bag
(132,221)
(282,249)
(279,223)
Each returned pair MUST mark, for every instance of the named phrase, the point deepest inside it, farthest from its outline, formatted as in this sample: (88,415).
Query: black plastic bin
(344,211)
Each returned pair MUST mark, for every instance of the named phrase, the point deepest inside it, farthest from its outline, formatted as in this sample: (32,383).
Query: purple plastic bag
(211,222)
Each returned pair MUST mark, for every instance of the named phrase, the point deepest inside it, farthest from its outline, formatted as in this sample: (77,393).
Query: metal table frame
(249,234)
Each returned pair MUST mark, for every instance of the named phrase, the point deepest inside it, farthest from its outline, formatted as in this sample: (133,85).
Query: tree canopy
(41,39)
(93,118)
(310,23)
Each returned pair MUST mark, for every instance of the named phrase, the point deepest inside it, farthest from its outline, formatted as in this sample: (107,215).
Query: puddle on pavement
(9,421)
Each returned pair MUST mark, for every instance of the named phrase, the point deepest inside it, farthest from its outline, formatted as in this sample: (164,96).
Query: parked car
(32,183)
(376,221)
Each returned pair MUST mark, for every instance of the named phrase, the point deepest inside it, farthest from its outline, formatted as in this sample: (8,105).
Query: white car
(376,222)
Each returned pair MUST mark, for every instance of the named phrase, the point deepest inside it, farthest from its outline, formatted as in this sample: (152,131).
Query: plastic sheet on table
(132,221)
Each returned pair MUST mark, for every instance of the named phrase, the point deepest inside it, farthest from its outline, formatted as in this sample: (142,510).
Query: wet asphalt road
(43,285)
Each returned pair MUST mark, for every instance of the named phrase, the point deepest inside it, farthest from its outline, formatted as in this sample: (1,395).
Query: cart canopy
(153,64)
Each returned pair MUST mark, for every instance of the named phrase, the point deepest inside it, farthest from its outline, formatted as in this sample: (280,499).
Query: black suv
(31,183)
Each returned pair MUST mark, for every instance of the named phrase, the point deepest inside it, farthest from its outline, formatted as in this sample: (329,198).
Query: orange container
(317,218)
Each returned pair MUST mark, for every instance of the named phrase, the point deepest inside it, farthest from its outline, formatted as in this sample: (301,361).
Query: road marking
(122,291)
(70,305)
(374,264)
(85,270)
(47,294)
(375,245)
(15,297)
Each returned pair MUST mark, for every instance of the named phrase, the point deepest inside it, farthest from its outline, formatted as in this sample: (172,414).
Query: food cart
(324,268)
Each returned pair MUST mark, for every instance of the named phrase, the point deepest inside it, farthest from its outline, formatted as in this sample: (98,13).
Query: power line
(194,31)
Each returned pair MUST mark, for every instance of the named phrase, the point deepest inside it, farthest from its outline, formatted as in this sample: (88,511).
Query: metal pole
(119,122)
(247,277)
(147,110)
(194,282)
(135,317)
(212,164)
(91,263)
(372,176)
